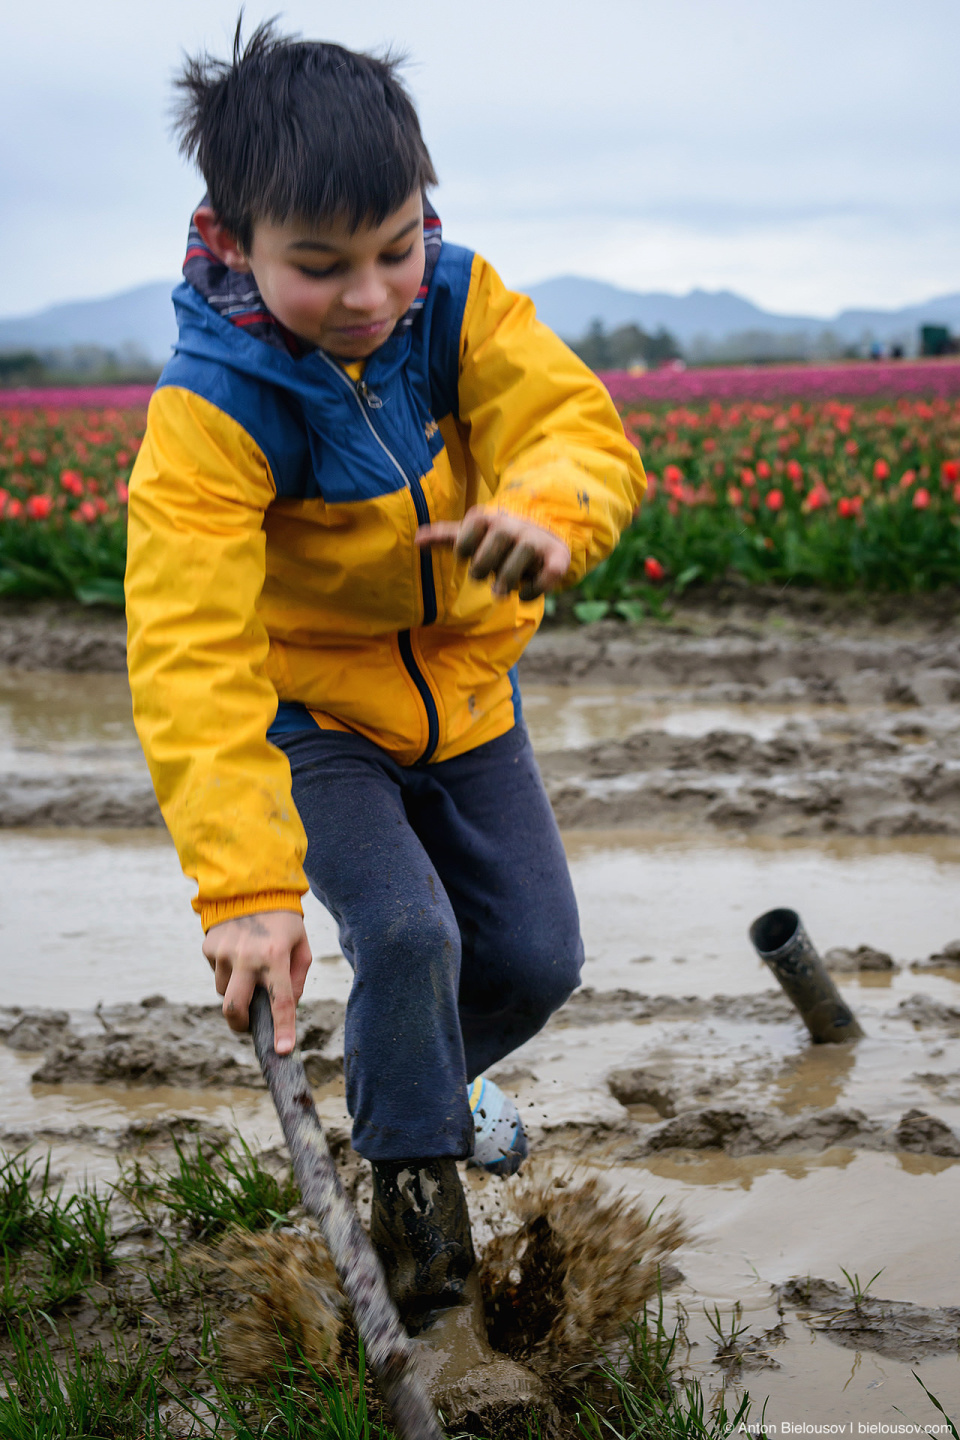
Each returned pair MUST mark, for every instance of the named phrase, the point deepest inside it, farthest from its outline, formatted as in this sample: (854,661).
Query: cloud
(803,153)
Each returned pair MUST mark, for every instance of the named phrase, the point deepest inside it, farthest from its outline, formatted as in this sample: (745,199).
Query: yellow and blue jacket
(272,576)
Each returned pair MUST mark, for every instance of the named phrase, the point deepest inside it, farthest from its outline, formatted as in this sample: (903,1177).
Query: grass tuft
(53,1246)
(92,1395)
(209,1194)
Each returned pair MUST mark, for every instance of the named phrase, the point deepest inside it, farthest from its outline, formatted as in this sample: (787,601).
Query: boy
(323,685)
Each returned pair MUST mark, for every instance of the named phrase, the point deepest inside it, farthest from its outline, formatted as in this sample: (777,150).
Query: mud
(160,1043)
(858,730)
(61,637)
(711,769)
(894,1328)
(566,1262)
(757,1132)
(844,961)
(947,959)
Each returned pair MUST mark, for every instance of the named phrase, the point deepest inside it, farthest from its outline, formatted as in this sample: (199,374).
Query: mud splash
(569,1263)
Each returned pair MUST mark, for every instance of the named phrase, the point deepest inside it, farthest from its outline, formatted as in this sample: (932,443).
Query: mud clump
(588,1006)
(893,1328)
(643,1086)
(61,637)
(922,1134)
(945,959)
(160,1043)
(32,1029)
(925,1013)
(756,1132)
(865,957)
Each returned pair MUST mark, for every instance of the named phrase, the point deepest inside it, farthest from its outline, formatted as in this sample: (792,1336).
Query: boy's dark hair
(299,129)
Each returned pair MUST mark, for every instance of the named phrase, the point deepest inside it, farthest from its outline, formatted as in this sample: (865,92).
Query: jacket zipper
(367,400)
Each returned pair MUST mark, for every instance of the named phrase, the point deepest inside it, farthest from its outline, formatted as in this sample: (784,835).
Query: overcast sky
(802,152)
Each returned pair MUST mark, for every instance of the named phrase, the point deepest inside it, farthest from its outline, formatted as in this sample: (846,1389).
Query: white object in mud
(500,1144)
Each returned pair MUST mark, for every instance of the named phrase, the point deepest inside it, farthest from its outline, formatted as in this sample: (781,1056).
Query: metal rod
(389,1352)
(782,943)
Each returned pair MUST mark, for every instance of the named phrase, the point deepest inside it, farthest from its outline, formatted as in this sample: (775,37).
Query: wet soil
(159,1043)
(702,727)
(894,1328)
(702,772)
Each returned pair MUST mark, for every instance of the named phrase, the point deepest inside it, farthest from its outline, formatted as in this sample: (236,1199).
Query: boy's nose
(364,293)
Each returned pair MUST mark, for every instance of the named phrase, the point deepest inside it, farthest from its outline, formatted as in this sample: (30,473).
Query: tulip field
(859,493)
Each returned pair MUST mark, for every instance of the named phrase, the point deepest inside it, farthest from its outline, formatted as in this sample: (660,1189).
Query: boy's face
(335,287)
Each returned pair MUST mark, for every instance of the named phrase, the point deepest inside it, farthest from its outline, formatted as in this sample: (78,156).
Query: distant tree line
(628,345)
(80,365)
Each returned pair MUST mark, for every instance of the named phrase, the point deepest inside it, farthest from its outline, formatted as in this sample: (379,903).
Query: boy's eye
(398,259)
(324,274)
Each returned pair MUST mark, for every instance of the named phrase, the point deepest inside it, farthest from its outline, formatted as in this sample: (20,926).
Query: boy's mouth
(368,331)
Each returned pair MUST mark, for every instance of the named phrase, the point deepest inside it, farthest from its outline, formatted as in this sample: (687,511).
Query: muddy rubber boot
(420,1228)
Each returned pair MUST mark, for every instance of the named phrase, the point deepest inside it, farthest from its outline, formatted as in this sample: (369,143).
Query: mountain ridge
(141,319)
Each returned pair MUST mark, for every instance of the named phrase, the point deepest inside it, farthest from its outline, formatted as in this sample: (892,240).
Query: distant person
(363,468)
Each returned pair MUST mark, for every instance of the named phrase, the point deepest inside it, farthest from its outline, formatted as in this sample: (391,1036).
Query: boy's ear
(220,240)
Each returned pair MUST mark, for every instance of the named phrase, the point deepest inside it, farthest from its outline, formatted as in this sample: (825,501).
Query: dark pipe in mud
(782,943)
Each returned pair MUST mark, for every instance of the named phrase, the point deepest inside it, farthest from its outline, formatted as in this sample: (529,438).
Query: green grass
(643,1400)
(860,1290)
(48,560)
(89,1396)
(299,1405)
(53,1247)
(208,1193)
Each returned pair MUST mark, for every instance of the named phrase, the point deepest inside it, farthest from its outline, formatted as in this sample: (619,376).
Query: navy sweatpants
(451,890)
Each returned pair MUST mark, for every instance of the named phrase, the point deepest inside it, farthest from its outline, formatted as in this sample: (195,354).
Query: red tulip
(881,470)
(921,498)
(735,495)
(794,471)
(775,500)
(86,512)
(849,506)
(123,492)
(907,479)
(14,508)
(747,477)
(764,471)
(950,472)
(39,507)
(653,569)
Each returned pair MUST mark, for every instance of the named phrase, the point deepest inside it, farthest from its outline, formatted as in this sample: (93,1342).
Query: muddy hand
(269,949)
(518,554)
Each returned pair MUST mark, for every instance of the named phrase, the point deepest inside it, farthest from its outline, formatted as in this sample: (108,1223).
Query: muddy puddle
(699,782)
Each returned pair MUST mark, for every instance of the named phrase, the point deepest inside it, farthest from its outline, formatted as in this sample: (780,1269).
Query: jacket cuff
(214,912)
